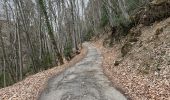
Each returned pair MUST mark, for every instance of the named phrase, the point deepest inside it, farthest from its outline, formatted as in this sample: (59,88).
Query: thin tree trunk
(50,32)
(11,73)
(4,71)
(20,54)
(122,7)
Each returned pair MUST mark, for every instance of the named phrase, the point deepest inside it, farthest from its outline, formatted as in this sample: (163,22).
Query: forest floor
(144,73)
(31,87)
(83,81)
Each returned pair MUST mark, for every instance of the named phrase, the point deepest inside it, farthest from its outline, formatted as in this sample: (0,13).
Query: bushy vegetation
(88,35)
(104,19)
(124,23)
(47,61)
(68,50)
(8,80)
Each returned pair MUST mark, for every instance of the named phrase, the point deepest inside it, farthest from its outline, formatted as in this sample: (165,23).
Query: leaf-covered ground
(31,87)
(144,73)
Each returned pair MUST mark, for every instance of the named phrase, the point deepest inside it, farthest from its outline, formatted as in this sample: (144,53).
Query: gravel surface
(83,81)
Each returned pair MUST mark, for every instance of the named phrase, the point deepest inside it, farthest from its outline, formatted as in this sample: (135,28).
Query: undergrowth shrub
(68,50)
(88,35)
(8,80)
(104,19)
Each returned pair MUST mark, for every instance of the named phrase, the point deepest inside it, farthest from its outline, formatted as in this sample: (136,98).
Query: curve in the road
(83,81)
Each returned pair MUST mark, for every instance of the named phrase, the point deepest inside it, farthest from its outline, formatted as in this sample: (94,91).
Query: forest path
(83,81)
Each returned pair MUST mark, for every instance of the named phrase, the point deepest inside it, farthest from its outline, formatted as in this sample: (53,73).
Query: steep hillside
(154,11)
(140,64)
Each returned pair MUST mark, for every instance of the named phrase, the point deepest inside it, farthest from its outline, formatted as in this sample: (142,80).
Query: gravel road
(83,81)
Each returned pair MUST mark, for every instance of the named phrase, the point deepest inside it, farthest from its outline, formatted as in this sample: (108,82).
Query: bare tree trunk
(122,7)
(11,73)
(50,31)
(72,3)
(4,71)
(20,54)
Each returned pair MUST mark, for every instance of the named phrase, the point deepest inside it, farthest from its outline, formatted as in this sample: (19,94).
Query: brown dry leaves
(126,76)
(30,88)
